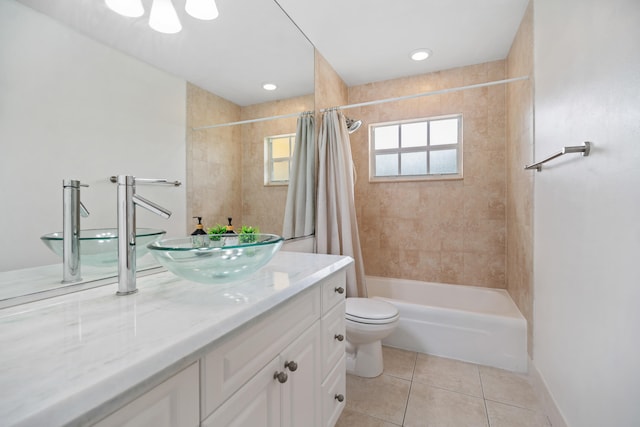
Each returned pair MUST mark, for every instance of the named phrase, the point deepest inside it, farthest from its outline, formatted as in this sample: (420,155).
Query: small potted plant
(216,233)
(248,234)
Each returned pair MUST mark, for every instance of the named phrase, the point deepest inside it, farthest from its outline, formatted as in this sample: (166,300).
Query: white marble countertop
(35,283)
(74,358)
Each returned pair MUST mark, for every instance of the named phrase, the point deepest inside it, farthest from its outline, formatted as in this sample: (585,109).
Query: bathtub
(474,324)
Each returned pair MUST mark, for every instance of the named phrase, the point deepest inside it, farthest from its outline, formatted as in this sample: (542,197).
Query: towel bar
(584,149)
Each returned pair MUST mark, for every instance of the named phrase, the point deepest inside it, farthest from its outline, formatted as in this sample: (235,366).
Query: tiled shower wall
(213,159)
(225,165)
(450,231)
(263,206)
(520,181)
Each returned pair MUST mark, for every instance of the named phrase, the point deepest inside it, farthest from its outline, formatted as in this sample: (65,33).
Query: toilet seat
(369,311)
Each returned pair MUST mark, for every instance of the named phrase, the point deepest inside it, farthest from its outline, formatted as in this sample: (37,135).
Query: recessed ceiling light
(269,86)
(420,54)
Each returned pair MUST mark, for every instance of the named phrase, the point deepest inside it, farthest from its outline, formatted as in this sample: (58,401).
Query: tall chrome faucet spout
(72,209)
(127,201)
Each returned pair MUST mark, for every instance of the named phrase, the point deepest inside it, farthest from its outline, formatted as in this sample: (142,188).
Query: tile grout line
(484,399)
(413,372)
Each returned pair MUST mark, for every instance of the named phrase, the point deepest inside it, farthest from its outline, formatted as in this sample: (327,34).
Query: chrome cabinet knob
(339,337)
(281,377)
(339,290)
(339,397)
(291,365)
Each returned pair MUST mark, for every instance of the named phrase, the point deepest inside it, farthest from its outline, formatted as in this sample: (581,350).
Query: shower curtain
(336,223)
(300,208)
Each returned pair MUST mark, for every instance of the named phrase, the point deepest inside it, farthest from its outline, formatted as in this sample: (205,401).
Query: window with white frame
(429,148)
(278,151)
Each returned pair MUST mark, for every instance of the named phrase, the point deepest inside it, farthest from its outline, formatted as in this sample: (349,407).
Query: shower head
(353,125)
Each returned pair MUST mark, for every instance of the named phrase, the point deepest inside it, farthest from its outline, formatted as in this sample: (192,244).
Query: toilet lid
(365,310)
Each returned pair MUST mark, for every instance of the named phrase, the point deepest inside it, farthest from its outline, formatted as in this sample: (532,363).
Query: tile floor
(420,390)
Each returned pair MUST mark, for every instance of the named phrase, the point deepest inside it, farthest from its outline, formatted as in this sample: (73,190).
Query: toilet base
(365,360)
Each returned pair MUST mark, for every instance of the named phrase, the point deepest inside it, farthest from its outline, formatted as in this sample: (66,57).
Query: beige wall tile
(423,226)
(519,191)
(225,166)
(213,159)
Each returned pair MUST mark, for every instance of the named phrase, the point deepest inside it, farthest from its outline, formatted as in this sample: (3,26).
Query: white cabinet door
(301,393)
(174,403)
(256,404)
(333,338)
(334,394)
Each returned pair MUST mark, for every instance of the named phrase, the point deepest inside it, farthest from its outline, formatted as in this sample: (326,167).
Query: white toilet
(368,321)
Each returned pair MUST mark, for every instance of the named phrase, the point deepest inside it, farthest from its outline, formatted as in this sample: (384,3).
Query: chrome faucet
(127,201)
(72,209)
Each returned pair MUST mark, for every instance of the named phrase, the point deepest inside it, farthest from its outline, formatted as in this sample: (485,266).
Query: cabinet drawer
(334,290)
(174,403)
(244,352)
(334,389)
(333,338)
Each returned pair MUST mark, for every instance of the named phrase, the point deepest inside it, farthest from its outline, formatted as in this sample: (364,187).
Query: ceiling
(253,41)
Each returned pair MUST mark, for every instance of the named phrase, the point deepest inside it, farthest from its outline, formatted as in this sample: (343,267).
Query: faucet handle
(157,181)
(114,179)
(83,210)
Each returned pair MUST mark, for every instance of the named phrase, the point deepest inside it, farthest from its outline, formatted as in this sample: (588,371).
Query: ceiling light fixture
(269,86)
(202,9)
(163,17)
(129,8)
(420,54)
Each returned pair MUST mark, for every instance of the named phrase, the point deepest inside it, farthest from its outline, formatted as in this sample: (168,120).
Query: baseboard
(551,409)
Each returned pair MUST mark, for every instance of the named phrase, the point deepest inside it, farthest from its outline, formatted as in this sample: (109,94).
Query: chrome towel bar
(584,149)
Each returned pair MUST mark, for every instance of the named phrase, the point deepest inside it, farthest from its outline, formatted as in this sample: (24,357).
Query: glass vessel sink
(99,247)
(227,258)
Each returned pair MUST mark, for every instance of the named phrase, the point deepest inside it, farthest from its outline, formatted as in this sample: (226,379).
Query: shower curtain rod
(433,92)
(242,122)
(364,104)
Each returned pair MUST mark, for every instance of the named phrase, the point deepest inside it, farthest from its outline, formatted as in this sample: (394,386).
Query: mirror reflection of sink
(99,247)
(217,259)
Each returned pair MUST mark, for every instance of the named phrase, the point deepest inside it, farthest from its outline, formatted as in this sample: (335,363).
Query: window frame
(269,160)
(428,149)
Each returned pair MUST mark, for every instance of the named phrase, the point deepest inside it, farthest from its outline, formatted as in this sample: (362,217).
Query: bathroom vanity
(267,350)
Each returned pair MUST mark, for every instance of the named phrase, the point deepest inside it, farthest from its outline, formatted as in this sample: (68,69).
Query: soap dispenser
(199,237)
(230,227)
(232,237)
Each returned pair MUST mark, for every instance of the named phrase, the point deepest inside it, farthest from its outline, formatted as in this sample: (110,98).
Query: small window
(429,148)
(278,151)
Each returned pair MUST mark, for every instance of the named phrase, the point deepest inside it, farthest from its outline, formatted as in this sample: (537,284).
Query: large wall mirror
(88,94)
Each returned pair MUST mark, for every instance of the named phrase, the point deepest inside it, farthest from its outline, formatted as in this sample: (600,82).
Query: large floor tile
(350,418)
(449,374)
(384,397)
(399,363)
(501,415)
(435,407)
(510,388)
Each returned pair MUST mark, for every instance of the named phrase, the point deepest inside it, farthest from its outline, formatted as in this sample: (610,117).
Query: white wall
(587,210)
(73,108)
